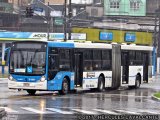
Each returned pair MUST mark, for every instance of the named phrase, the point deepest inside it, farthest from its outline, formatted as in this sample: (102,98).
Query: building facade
(125,7)
(152,6)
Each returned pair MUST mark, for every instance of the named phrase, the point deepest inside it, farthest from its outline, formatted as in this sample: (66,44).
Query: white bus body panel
(90,79)
(133,71)
(25,85)
(150,71)
(136,47)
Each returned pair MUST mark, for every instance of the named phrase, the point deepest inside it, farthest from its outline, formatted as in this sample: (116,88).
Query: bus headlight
(10,77)
(42,79)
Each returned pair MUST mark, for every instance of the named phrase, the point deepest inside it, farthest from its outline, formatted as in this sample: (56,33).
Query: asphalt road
(81,105)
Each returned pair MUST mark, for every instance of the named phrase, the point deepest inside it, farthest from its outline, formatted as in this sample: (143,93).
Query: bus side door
(78,58)
(125,70)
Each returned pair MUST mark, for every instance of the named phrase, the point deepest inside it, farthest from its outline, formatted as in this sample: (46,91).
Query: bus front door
(125,71)
(78,69)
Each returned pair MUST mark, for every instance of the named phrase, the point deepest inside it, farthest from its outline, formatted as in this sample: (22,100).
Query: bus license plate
(26,84)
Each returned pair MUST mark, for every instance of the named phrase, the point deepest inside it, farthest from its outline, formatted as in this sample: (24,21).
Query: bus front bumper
(27,85)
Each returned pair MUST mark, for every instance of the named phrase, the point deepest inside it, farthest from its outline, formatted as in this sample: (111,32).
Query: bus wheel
(31,92)
(65,87)
(137,84)
(100,84)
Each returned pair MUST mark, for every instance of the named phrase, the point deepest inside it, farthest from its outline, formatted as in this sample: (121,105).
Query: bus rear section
(137,67)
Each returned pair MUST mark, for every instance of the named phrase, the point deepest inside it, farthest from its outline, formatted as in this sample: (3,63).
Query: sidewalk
(153,83)
(3,80)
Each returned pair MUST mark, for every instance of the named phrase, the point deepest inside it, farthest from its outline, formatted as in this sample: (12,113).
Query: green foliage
(157,94)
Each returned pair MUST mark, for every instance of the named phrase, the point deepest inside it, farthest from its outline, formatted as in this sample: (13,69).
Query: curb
(155,98)
(3,113)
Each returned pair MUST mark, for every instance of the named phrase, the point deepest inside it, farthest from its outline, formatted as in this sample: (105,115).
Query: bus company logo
(39,36)
(91,74)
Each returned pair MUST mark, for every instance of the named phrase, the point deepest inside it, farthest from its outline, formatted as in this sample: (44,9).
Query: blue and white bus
(65,66)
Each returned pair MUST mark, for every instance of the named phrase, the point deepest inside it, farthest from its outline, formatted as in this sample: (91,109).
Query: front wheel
(31,92)
(65,87)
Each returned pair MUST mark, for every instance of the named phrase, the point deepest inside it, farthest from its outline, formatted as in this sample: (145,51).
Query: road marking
(107,111)
(122,95)
(59,111)
(149,111)
(85,111)
(128,112)
(9,110)
(36,111)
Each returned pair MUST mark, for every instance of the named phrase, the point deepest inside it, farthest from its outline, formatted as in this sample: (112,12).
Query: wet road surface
(52,106)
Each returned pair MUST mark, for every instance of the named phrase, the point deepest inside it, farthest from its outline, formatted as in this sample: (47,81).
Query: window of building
(97,2)
(134,5)
(115,4)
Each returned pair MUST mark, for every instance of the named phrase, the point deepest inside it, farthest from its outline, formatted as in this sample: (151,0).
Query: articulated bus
(65,66)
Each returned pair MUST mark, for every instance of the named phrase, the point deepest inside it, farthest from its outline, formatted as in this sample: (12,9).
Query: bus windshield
(27,61)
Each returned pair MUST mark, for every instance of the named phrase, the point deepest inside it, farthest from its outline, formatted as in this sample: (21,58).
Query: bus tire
(137,82)
(65,87)
(31,92)
(100,84)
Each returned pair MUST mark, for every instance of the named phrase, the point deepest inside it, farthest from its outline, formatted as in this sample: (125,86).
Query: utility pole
(48,23)
(65,23)
(70,21)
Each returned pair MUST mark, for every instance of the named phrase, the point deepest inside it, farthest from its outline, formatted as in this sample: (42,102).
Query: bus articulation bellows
(64,66)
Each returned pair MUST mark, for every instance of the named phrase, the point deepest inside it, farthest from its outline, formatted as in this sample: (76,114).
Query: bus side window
(65,60)
(52,62)
(52,66)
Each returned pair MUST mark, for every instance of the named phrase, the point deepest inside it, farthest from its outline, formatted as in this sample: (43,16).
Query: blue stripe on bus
(20,78)
(56,83)
(61,44)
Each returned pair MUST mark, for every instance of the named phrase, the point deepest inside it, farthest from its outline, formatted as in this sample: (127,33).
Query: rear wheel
(31,92)
(65,87)
(100,84)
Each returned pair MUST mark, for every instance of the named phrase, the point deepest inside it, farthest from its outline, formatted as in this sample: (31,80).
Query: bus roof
(136,47)
(92,45)
(79,45)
